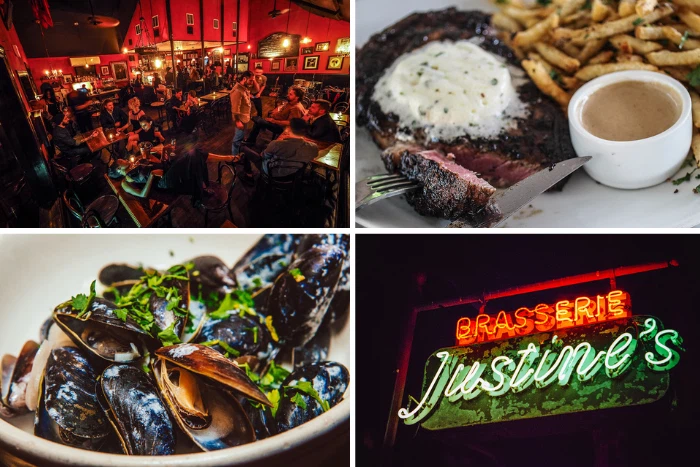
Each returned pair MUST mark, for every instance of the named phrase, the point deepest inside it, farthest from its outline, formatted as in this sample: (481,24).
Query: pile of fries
(564,43)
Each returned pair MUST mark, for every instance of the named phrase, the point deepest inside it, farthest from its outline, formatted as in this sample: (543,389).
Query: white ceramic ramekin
(632,164)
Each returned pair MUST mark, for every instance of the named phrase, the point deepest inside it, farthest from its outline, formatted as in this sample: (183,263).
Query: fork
(379,187)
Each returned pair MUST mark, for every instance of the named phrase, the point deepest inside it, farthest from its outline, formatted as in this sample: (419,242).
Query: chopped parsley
(494,81)
(637,21)
(446,110)
(685,178)
(274,398)
(586,6)
(168,337)
(307,388)
(298,399)
(81,302)
(242,302)
(227,348)
(696,189)
(257,282)
(297,275)
(544,2)
(683,39)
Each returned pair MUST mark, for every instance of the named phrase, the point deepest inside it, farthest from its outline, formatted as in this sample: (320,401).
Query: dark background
(395,273)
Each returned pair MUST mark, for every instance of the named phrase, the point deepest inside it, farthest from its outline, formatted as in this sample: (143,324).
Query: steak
(447,190)
(538,140)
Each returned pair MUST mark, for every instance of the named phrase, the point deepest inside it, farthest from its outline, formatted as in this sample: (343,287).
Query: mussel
(68,411)
(120,278)
(300,297)
(266,260)
(163,307)
(329,380)
(197,383)
(134,408)
(244,334)
(15,376)
(211,275)
(101,332)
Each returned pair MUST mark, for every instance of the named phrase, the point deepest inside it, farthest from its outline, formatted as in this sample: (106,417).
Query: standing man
(280,117)
(240,108)
(261,80)
(79,104)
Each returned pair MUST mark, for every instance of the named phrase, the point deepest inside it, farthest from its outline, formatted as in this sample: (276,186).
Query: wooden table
(145,212)
(214,96)
(329,157)
(340,119)
(102,94)
(101,141)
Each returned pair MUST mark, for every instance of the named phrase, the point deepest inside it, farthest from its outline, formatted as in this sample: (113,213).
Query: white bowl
(40,271)
(632,164)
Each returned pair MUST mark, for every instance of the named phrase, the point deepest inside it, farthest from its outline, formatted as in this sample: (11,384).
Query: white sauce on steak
(451,89)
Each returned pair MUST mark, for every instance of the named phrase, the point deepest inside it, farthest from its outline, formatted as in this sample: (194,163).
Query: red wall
(179,10)
(39,65)
(8,39)
(320,30)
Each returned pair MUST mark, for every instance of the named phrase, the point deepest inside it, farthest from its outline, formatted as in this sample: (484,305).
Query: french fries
(539,75)
(570,42)
(589,72)
(557,57)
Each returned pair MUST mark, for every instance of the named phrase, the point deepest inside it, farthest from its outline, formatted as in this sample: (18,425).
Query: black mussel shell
(309,241)
(210,275)
(163,317)
(15,379)
(115,273)
(69,412)
(262,271)
(329,379)
(316,350)
(244,334)
(260,417)
(281,245)
(45,327)
(300,297)
(133,405)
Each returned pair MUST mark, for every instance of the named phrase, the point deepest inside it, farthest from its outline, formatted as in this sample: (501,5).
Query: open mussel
(211,275)
(300,297)
(243,334)
(15,377)
(119,278)
(134,408)
(197,383)
(101,332)
(68,411)
(329,381)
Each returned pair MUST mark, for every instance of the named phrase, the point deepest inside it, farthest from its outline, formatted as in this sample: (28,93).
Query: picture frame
(311,62)
(227,51)
(343,46)
(120,71)
(307,50)
(335,62)
(104,70)
(134,70)
(291,64)
(255,65)
(275,65)
(323,46)
(67,78)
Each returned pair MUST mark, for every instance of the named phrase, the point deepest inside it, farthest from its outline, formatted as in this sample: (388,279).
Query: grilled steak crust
(538,141)
(447,190)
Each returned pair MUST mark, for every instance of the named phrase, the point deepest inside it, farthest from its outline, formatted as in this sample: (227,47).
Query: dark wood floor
(247,209)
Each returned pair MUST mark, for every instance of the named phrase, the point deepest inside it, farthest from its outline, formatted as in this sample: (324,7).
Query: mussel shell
(211,275)
(329,379)
(133,405)
(229,426)
(14,380)
(316,350)
(209,363)
(298,307)
(45,328)
(164,318)
(310,241)
(262,271)
(237,332)
(101,316)
(7,367)
(280,246)
(261,419)
(68,411)
(115,273)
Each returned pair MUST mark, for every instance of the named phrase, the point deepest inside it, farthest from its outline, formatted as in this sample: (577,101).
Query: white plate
(40,271)
(582,203)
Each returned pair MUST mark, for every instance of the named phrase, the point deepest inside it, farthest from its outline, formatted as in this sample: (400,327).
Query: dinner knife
(504,204)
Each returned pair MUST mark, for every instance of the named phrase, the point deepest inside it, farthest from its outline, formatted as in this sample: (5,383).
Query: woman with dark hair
(187,175)
(148,134)
(50,102)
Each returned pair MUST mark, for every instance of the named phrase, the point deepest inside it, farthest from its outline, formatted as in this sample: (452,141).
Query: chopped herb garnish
(544,2)
(637,21)
(257,282)
(168,336)
(696,189)
(171,253)
(298,399)
(424,64)
(586,6)
(81,302)
(554,75)
(685,178)
(307,388)
(446,110)
(438,54)
(494,82)
(683,39)
(227,348)
(274,398)
(121,313)
(420,73)
(273,332)
(694,76)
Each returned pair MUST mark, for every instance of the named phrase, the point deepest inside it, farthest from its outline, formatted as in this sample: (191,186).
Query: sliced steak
(537,141)
(447,190)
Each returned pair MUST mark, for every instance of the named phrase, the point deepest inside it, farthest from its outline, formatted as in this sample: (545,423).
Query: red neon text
(563,314)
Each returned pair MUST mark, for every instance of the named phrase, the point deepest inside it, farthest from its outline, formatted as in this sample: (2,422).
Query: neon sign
(581,311)
(606,364)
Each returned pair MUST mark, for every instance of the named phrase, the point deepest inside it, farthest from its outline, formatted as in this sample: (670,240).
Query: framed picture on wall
(105,70)
(68,78)
(134,70)
(311,62)
(323,46)
(275,65)
(335,62)
(132,58)
(257,65)
(120,71)
(291,64)
(227,51)
(307,50)
(343,45)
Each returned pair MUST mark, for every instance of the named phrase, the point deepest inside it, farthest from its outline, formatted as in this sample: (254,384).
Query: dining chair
(76,178)
(220,199)
(100,213)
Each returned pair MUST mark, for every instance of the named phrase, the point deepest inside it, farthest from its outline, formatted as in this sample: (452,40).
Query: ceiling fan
(101,21)
(274,13)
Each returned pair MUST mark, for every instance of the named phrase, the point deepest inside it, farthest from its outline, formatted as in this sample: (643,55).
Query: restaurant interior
(174,113)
